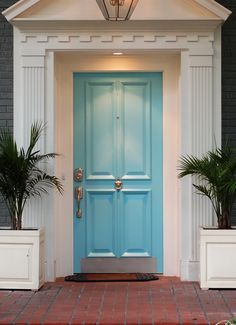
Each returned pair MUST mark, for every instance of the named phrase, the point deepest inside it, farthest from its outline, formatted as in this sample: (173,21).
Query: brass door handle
(79,196)
(118,184)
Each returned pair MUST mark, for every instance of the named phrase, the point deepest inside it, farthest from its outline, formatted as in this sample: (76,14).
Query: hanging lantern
(117,9)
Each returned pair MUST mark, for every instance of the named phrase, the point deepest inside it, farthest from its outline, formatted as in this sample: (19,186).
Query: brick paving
(166,301)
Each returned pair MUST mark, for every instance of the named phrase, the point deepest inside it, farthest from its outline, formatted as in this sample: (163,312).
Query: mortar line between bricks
(9,292)
(138,313)
(174,296)
(101,305)
(126,303)
(22,310)
(150,294)
(50,305)
(226,304)
(114,301)
(78,302)
(200,302)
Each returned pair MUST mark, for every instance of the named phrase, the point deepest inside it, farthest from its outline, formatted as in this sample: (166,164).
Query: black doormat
(111,277)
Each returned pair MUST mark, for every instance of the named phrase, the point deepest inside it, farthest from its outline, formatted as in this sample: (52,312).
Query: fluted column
(197,136)
(201,72)
(33,103)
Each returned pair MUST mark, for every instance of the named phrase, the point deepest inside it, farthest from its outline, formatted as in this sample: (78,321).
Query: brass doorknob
(118,184)
(78,174)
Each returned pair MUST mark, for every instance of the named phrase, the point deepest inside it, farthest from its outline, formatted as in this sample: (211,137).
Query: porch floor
(166,301)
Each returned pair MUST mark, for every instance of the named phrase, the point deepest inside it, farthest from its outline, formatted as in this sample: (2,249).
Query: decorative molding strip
(107,38)
(201,61)
(171,38)
(82,39)
(63,39)
(33,61)
(42,39)
(160,40)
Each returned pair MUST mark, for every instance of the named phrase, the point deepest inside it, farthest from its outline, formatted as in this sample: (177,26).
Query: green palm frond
(36,131)
(215,176)
(203,190)
(21,176)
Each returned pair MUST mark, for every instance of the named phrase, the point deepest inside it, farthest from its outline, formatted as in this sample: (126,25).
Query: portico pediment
(88,10)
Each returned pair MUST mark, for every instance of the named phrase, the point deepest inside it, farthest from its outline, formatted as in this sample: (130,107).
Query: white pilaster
(200,100)
(37,107)
(33,73)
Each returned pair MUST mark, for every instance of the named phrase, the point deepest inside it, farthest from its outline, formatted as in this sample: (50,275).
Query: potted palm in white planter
(22,250)
(216,179)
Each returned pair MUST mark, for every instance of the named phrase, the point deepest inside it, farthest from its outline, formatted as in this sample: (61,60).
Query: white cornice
(126,26)
(19,7)
(22,5)
(216,8)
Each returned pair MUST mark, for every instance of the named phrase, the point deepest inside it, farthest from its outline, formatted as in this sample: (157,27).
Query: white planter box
(22,259)
(217,258)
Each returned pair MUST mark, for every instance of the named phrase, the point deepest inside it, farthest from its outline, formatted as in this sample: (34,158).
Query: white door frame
(37,97)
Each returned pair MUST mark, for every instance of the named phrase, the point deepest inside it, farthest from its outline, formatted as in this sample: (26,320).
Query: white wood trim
(35,51)
(197,124)
(185,185)
(104,26)
(65,66)
(18,8)
(21,6)
(216,8)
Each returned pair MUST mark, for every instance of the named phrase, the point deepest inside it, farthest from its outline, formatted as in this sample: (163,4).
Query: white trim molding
(216,8)
(45,57)
(22,6)
(19,7)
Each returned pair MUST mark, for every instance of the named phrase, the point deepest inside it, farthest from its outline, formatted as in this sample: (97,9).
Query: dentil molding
(147,40)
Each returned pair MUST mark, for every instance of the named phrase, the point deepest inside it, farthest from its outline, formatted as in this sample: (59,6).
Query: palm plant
(20,175)
(216,179)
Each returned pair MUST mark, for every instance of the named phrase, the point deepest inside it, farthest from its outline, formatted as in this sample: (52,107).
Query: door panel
(101,206)
(118,134)
(100,130)
(136,127)
(136,223)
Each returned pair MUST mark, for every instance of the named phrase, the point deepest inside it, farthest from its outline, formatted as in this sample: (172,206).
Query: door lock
(118,184)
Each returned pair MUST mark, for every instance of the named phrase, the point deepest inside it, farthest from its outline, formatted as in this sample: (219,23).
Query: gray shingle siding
(228,77)
(229,74)
(6,68)
(6,85)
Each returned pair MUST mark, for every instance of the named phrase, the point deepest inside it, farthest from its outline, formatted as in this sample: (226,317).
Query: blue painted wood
(118,133)
(135,130)
(100,211)
(136,223)
(100,130)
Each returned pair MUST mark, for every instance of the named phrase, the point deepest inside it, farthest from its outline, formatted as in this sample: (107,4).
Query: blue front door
(118,137)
